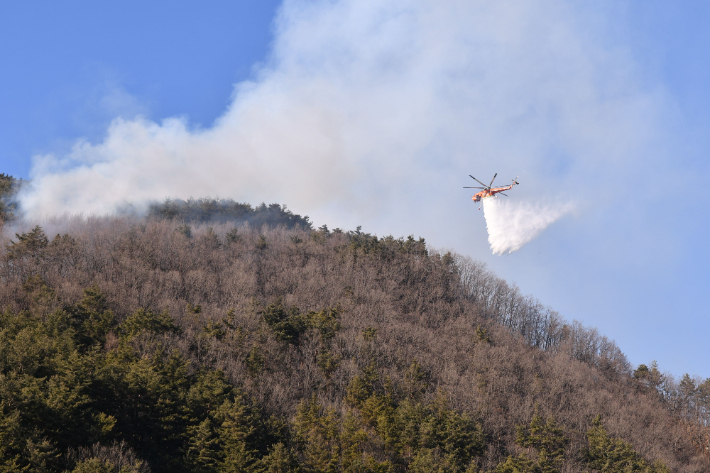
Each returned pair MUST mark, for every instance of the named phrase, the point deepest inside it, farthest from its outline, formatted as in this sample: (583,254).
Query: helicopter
(489,191)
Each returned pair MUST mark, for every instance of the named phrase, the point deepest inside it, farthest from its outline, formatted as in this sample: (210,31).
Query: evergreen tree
(203,453)
(548,439)
(614,455)
(280,460)
(28,244)
(237,431)
(317,430)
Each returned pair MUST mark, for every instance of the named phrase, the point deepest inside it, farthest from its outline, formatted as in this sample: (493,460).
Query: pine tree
(548,439)
(318,431)
(10,440)
(42,455)
(517,464)
(28,244)
(614,455)
(237,427)
(203,448)
(280,460)
(92,318)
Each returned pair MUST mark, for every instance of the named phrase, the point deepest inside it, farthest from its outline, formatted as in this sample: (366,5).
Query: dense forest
(183,341)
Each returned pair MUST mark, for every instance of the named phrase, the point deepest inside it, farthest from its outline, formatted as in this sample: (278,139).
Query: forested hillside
(139,345)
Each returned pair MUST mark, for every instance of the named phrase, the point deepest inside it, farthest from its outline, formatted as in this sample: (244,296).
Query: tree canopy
(150,344)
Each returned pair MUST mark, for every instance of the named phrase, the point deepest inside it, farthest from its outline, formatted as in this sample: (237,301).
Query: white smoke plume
(376,108)
(511,224)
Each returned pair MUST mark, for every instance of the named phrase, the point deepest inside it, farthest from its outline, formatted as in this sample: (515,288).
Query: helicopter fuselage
(484,194)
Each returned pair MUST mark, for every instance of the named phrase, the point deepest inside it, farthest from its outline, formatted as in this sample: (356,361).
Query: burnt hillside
(150,344)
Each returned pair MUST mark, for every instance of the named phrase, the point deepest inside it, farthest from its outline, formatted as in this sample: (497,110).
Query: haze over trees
(226,210)
(168,344)
(9,186)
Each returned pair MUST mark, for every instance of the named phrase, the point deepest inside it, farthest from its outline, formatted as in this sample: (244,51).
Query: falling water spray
(511,224)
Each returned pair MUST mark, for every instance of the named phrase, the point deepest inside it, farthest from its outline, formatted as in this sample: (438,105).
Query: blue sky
(373,114)
(158,58)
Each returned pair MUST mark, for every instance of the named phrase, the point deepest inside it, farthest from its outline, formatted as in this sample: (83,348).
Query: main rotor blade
(473,187)
(504,194)
(477,180)
(494,178)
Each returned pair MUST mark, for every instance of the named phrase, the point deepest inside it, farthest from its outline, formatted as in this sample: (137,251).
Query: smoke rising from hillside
(364,105)
(512,224)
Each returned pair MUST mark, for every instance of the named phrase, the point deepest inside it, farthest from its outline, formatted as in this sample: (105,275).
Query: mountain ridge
(338,350)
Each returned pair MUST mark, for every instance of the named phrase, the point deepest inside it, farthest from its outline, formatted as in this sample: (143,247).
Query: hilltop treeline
(9,186)
(153,345)
(226,210)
